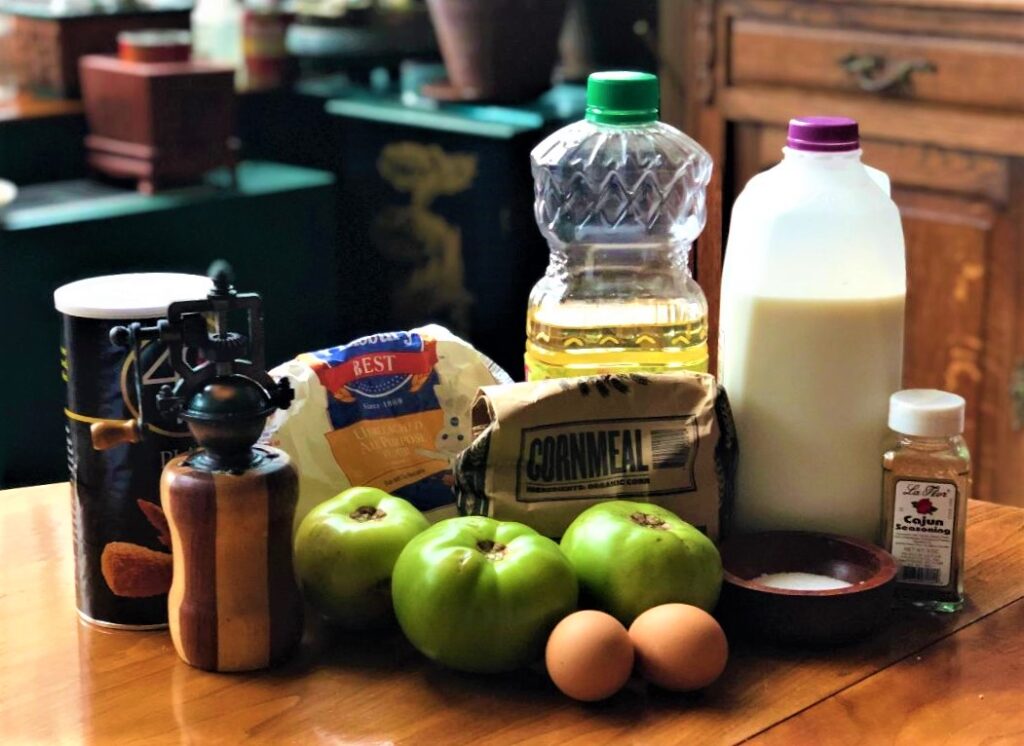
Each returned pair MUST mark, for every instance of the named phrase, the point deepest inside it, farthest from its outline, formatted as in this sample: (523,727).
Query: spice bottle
(925,486)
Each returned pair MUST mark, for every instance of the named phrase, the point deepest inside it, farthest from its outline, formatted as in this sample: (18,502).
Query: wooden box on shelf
(162,123)
(48,43)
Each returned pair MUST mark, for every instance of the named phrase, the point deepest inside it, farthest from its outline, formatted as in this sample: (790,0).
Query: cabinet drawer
(922,68)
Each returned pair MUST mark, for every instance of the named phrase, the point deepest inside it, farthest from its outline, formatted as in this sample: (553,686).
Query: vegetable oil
(620,198)
(576,339)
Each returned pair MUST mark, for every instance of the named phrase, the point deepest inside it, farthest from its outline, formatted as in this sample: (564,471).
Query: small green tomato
(630,557)
(480,595)
(345,550)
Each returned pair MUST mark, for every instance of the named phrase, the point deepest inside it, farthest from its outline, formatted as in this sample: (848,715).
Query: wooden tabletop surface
(950,679)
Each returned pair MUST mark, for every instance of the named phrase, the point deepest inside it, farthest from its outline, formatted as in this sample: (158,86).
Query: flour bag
(389,410)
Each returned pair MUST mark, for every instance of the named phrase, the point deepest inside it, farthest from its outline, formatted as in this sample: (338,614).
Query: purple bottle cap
(823,134)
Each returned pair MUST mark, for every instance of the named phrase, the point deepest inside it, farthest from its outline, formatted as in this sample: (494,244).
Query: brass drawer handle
(873,73)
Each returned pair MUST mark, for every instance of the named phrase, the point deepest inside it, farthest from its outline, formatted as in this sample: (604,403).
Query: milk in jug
(811,334)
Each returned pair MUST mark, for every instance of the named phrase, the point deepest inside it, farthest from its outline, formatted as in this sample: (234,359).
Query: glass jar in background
(217,33)
(264,28)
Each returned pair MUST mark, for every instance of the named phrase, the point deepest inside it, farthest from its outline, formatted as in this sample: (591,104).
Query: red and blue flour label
(385,401)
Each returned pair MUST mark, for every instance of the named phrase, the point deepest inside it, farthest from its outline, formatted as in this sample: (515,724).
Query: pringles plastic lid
(128,296)
(622,98)
(927,413)
(823,134)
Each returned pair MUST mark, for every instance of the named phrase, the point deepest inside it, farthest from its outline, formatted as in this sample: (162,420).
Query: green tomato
(630,557)
(480,595)
(345,550)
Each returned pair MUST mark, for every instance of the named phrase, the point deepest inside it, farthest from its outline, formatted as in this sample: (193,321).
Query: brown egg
(679,647)
(589,655)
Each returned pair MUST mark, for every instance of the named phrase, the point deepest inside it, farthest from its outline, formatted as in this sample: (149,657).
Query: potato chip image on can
(122,553)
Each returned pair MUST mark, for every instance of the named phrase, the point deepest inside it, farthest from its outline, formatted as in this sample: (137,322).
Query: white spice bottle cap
(927,413)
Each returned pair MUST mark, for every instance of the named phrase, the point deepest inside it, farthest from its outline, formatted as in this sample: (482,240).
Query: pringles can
(121,541)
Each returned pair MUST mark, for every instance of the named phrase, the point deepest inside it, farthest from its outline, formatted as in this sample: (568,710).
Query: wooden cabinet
(938,89)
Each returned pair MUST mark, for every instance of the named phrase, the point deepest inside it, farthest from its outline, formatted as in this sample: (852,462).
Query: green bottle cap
(622,98)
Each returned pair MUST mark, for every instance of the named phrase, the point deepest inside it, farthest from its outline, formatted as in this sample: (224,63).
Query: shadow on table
(328,646)
(386,654)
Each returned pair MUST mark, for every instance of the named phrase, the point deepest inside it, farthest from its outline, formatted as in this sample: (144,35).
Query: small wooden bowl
(805,617)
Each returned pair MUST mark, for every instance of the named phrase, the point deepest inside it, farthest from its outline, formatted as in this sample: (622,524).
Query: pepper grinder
(234,604)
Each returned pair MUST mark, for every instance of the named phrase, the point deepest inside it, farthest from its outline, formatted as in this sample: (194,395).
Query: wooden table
(951,679)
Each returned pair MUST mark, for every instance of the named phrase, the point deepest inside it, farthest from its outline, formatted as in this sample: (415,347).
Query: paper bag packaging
(390,410)
(545,451)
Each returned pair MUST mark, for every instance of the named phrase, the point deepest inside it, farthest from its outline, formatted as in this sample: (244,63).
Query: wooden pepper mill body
(234,604)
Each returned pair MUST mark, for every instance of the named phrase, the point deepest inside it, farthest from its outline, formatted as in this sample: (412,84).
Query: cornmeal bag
(545,451)
(389,410)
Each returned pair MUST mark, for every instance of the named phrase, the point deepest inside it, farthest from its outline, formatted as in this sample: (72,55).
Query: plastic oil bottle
(620,198)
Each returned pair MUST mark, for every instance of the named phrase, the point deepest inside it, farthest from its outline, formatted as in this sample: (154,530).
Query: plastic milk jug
(811,334)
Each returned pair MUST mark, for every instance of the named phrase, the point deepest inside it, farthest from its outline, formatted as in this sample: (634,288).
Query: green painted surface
(497,122)
(40,9)
(278,229)
(438,215)
(254,179)
(484,122)
(40,149)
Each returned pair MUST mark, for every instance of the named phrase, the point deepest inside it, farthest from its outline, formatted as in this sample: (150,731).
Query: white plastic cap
(927,413)
(129,296)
